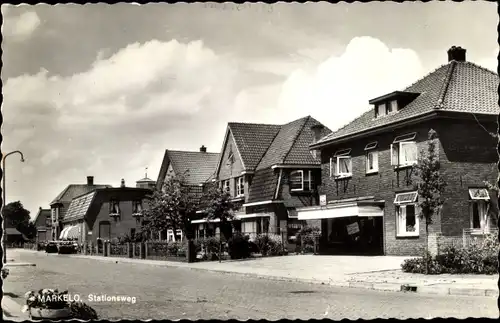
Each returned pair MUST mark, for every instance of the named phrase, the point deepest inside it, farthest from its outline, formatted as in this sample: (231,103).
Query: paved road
(175,293)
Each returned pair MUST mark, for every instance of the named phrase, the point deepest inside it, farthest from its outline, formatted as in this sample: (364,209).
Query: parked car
(51,247)
(67,247)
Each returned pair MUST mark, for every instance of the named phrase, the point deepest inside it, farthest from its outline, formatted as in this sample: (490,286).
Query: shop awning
(252,216)
(341,211)
(63,233)
(73,232)
(205,221)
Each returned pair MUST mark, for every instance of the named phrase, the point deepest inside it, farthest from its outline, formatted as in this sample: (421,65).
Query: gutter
(422,117)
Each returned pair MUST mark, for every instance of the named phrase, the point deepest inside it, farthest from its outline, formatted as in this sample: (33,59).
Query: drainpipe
(279,183)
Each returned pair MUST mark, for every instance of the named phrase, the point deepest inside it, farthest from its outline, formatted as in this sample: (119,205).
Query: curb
(386,286)
(20,264)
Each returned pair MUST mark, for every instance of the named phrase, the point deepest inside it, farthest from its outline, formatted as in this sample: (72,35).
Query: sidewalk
(378,273)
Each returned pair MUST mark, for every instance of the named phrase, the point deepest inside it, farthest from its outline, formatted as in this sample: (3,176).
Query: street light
(3,202)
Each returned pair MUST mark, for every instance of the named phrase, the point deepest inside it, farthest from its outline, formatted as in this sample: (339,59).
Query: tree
(15,213)
(16,216)
(431,186)
(217,204)
(172,207)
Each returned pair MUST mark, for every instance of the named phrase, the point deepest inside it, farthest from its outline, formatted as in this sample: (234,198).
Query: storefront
(349,227)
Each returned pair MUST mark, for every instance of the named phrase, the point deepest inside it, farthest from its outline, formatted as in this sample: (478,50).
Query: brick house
(105,213)
(59,206)
(368,186)
(270,171)
(43,224)
(197,169)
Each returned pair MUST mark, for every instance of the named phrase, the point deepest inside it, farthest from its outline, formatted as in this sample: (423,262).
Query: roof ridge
(190,151)
(482,68)
(296,137)
(445,85)
(424,76)
(253,123)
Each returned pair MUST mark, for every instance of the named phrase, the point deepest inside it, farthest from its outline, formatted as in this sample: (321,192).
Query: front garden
(479,257)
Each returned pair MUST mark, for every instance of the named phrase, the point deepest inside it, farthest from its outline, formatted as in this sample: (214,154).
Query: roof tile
(198,166)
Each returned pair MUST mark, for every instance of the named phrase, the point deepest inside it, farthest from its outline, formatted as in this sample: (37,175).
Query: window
(225,186)
(341,164)
(265,225)
(478,208)
(393,107)
(404,152)
(240,186)
(137,207)
(381,110)
(371,158)
(248,227)
(114,208)
(132,232)
(407,223)
(301,180)
(230,159)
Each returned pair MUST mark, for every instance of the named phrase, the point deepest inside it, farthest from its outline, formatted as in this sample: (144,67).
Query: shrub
(479,258)
(269,244)
(306,237)
(239,246)
(173,248)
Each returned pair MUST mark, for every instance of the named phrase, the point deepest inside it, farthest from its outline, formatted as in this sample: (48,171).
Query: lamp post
(4,204)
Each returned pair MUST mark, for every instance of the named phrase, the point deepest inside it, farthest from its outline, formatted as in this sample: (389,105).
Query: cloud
(117,117)
(20,27)
(338,89)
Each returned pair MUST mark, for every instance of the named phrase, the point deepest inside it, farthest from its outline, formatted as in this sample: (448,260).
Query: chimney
(203,149)
(456,53)
(122,183)
(317,129)
(90,180)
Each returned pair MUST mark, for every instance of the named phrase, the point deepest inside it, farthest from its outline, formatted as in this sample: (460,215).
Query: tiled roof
(12,231)
(74,190)
(79,206)
(456,86)
(88,205)
(145,179)
(253,140)
(263,186)
(290,146)
(43,214)
(197,166)
(300,153)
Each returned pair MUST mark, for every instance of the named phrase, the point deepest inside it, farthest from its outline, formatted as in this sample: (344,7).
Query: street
(175,293)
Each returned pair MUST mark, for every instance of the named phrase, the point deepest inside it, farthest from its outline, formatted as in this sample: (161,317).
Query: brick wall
(382,185)
(468,159)
(231,171)
(299,199)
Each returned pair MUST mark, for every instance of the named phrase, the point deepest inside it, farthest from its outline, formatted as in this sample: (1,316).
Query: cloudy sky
(103,90)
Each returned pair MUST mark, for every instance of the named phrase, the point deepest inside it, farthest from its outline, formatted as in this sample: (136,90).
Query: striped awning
(205,221)
(73,232)
(63,233)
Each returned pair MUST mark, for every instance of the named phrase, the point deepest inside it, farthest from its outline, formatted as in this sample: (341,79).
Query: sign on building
(322,200)
(352,228)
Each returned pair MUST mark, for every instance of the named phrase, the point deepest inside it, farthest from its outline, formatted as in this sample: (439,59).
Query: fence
(473,236)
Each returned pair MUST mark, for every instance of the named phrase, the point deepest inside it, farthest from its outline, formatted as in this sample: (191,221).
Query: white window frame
(482,202)
(301,172)
(226,186)
(240,186)
(370,150)
(401,228)
(137,207)
(335,165)
(397,145)
(394,106)
(381,109)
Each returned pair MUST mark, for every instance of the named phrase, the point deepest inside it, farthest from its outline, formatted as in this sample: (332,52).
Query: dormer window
(301,180)
(381,110)
(392,107)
